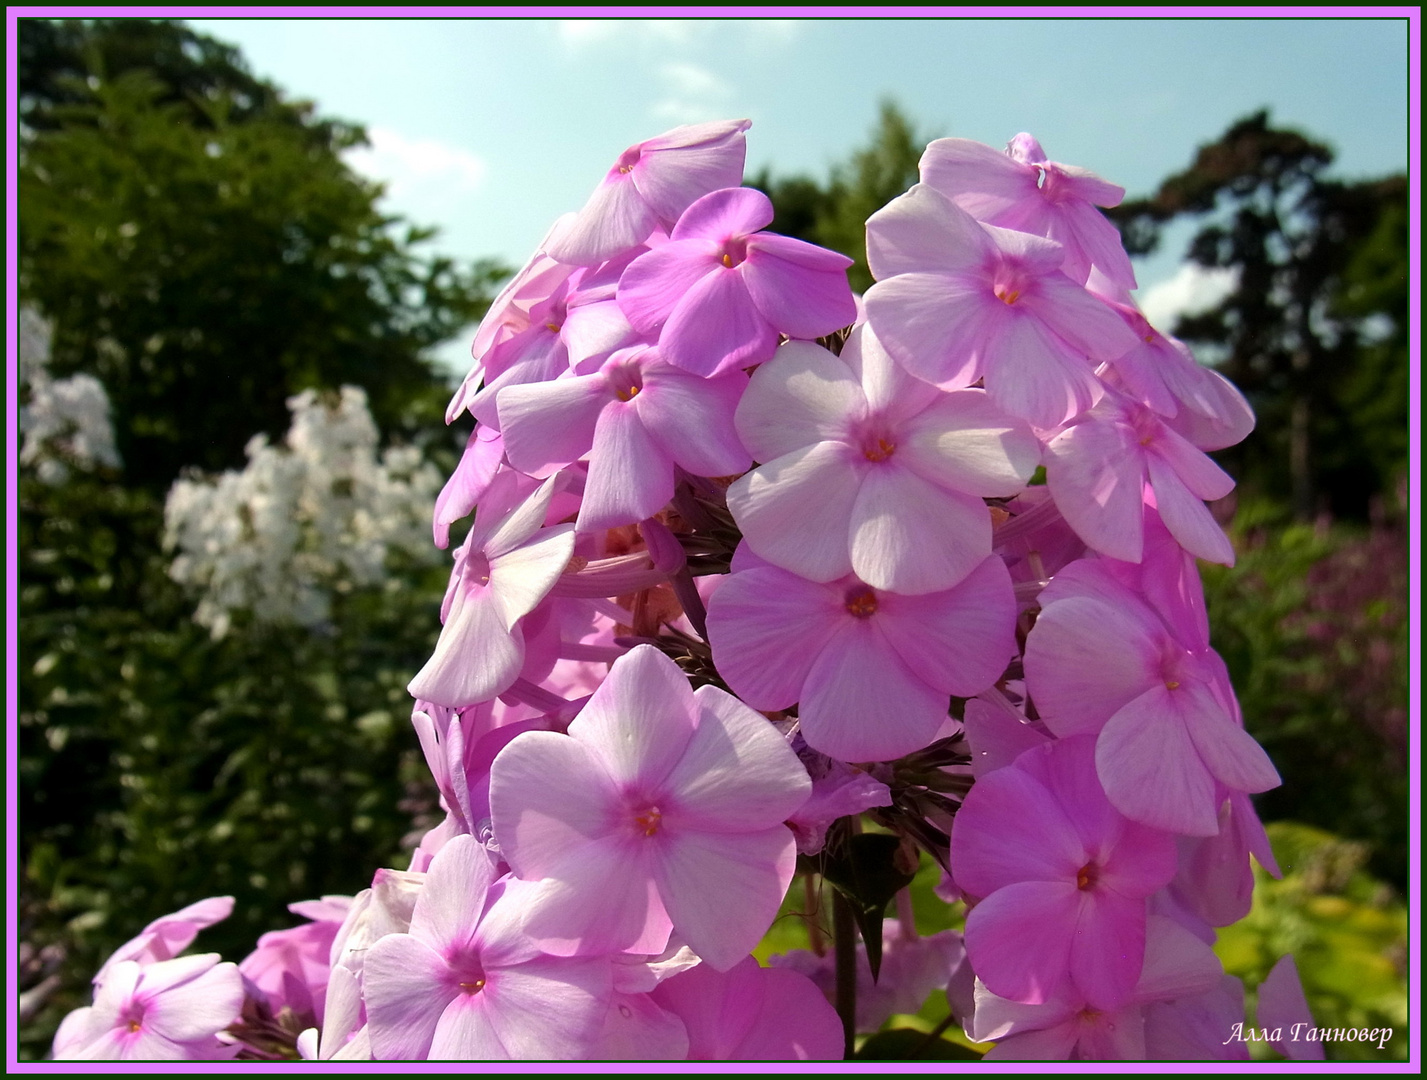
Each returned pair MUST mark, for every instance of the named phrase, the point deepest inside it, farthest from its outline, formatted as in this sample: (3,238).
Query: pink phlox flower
(291,967)
(867,471)
(1196,1027)
(1100,660)
(957,301)
(573,330)
(468,483)
(1097,470)
(637,418)
(506,566)
(167,1010)
(169,935)
(1215,883)
(1035,541)
(997,733)
(1069,1027)
(384,908)
(1020,189)
(1063,878)
(1199,403)
(839,790)
(721,291)
(636,1027)
(463,983)
(649,186)
(752,1013)
(1283,1007)
(508,315)
(872,671)
(661,810)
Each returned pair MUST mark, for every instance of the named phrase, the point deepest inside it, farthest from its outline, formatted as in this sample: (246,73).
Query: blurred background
(226,574)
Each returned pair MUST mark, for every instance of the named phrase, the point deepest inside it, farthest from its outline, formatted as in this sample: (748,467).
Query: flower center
(478,569)
(862,602)
(627,161)
(1007,295)
(134,1025)
(734,252)
(627,382)
(878,449)
(647,820)
(475,986)
(1087,876)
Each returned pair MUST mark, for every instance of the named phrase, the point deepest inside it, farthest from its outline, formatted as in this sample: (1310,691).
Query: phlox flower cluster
(320,513)
(65,422)
(753,562)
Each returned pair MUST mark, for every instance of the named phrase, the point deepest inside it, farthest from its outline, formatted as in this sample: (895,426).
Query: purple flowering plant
(763,584)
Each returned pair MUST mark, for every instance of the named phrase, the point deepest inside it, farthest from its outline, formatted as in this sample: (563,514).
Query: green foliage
(158,766)
(201,248)
(1346,931)
(1313,625)
(834,215)
(207,256)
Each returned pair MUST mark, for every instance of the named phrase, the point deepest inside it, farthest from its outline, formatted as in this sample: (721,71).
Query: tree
(204,251)
(1314,331)
(834,215)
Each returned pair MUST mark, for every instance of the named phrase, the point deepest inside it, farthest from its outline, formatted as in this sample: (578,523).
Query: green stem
(844,940)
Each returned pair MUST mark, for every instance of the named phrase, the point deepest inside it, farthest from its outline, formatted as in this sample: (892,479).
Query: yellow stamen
(862,604)
(649,820)
(728,261)
(881,452)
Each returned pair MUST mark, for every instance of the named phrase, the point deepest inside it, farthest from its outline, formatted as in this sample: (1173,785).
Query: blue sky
(491,128)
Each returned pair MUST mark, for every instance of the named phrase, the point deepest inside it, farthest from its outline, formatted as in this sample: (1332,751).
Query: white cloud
(579,33)
(1192,290)
(692,93)
(650,34)
(416,167)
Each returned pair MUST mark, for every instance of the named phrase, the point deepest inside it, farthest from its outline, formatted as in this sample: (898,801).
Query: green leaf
(908,1044)
(864,869)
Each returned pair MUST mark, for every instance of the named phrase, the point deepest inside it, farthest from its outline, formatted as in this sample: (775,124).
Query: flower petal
(1150,768)
(861,702)
(909,536)
(737,773)
(630,478)
(639,722)
(796,511)
(965,443)
(800,300)
(547,425)
(1019,938)
(406,991)
(716,327)
(766,627)
(692,419)
(722,891)
(804,395)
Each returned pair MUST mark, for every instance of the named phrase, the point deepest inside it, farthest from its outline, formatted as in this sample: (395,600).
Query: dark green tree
(203,250)
(1314,332)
